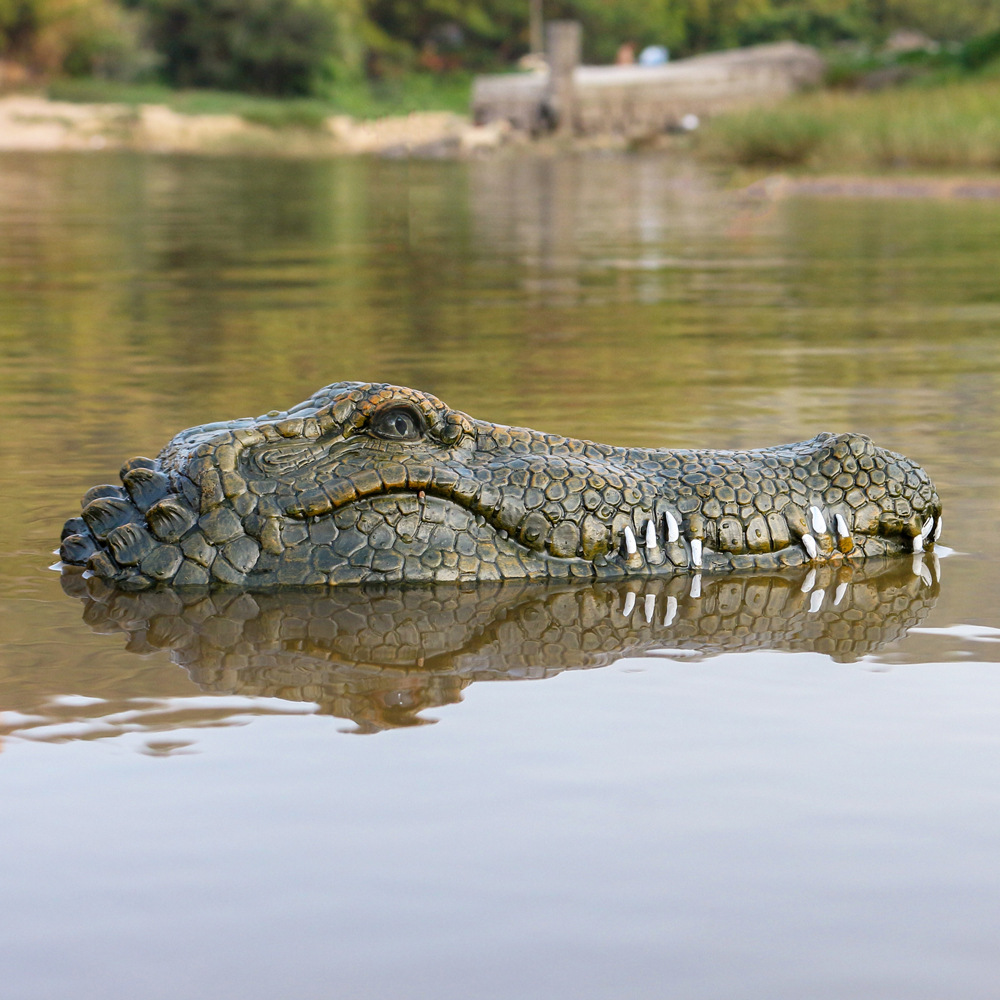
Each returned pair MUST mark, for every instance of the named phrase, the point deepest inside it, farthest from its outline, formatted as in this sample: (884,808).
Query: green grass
(777,137)
(943,126)
(360,99)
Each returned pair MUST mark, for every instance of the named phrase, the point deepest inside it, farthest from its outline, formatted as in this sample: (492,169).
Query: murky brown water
(761,790)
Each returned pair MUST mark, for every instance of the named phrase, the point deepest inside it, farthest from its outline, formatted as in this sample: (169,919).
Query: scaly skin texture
(371,482)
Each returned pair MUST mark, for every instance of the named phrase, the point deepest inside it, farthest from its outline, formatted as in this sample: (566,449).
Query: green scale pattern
(371,482)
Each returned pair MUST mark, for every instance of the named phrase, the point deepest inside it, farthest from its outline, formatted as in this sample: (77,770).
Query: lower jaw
(407,538)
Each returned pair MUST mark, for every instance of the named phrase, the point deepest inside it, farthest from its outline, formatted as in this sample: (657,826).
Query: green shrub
(801,23)
(110,43)
(950,126)
(981,51)
(775,138)
(78,37)
(276,47)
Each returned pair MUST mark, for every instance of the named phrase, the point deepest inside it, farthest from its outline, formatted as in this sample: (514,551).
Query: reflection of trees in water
(381,656)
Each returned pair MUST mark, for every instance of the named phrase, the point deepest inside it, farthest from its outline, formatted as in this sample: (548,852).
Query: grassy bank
(361,99)
(944,126)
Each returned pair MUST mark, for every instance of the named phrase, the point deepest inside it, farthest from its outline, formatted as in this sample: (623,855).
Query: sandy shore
(38,124)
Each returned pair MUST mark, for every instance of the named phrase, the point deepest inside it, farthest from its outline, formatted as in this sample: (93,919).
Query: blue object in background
(654,55)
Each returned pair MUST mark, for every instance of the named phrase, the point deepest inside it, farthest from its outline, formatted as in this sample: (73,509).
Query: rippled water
(774,787)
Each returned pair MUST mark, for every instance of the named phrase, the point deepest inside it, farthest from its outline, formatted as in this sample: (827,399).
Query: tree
(278,47)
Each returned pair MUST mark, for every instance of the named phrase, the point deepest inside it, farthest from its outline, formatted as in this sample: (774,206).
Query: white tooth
(651,542)
(816,601)
(925,575)
(668,618)
(695,551)
(809,582)
(918,563)
(935,564)
(839,596)
(696,585)
(842,528)
(649,606)
(673,528)
(629,604)
(630,546)
(937,530)
(927,528)
(918,543)
(810,546)
(818,521)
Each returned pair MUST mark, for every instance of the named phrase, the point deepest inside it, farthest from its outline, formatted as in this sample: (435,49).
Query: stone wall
(646,100)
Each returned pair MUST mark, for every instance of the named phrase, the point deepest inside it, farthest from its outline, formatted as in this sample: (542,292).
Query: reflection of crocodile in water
(368,482)
(379,655)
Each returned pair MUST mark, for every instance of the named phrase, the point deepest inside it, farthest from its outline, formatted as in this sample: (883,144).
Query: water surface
(756,790)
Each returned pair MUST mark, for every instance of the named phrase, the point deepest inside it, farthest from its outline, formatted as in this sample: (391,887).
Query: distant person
(626,54)
(654,55)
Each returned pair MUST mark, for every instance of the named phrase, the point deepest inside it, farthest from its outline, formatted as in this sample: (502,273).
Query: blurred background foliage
(313,48)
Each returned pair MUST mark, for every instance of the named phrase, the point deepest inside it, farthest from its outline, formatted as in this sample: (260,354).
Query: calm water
(769,790)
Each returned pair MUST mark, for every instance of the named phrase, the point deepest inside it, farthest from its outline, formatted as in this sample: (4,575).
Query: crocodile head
(373,482)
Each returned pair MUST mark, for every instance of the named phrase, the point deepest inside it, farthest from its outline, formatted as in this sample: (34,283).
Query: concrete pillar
(563,44)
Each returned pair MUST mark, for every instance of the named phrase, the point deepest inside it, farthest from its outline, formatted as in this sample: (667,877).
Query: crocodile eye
(398,423)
